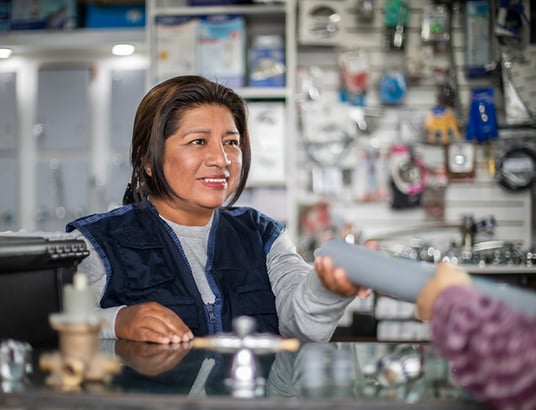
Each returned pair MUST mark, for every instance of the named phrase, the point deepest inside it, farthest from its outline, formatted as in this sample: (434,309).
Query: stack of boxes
(208,45)
(215,46)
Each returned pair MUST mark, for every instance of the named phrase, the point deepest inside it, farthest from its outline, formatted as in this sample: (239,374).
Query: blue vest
(144,262)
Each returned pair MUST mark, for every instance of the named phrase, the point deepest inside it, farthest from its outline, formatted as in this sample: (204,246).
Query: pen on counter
(258,343)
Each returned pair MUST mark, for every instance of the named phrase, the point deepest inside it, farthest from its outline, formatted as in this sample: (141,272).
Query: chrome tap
(470,228)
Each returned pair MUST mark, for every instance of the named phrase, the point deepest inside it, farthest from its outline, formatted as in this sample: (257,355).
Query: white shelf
(210,10)
(25,41)
(263,92)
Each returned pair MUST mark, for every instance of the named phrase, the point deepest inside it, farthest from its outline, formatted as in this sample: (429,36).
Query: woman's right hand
(151,322)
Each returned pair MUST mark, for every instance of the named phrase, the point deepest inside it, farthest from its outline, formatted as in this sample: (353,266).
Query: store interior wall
(341,185)
(96,171)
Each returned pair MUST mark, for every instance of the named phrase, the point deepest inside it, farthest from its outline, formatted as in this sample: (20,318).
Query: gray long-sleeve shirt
(306,309)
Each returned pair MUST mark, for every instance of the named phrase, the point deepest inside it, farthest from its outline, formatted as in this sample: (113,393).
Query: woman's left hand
(446,275)
(335,279)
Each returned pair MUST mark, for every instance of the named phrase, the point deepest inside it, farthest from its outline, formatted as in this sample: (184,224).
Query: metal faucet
(470,228)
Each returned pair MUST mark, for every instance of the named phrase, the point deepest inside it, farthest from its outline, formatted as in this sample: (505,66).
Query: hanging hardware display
(460,160)
(393,87)
(408,177)
(396,19)
(515,167)
(478,47)
(435,24)
(321,22)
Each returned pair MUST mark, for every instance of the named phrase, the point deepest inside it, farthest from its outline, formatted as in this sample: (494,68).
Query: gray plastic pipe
(404,278)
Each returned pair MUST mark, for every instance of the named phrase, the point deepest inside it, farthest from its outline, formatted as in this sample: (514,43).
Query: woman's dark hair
(158,117)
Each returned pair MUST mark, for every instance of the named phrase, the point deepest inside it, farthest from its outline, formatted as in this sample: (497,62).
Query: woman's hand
(151,322)
(335,279)
(151,359)
(446,275)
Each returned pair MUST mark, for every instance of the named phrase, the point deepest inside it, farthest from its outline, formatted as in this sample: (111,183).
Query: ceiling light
(5,52)
(123,49)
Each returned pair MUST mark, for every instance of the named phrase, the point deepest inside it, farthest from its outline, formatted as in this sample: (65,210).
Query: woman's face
(202,163)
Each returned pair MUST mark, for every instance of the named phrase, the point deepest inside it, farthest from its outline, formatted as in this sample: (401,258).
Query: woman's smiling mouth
(215,182)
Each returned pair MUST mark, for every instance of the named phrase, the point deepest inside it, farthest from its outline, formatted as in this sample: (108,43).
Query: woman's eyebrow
(197,131)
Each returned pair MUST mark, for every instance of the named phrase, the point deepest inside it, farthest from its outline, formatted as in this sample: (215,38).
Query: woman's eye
(232,142)
(198,141)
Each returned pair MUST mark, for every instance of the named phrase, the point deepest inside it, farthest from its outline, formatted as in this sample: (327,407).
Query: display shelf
(263,9)
(275,93)
(261,19)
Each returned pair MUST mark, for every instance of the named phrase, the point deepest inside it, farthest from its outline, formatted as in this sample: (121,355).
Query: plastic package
(267,62)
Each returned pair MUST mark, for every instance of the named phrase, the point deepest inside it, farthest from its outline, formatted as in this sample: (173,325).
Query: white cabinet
(127,88)
(67,113)
(63,109)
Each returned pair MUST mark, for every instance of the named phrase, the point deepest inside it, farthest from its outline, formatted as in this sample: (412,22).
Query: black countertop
(337,375)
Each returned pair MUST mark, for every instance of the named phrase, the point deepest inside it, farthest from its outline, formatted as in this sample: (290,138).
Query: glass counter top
(338,375)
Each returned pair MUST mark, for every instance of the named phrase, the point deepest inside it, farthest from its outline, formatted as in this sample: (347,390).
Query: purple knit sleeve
(492,348)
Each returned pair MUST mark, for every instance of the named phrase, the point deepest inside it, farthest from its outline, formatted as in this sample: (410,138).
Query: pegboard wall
(336,166)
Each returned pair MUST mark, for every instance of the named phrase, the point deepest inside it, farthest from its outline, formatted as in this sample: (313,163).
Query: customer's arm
(492,347)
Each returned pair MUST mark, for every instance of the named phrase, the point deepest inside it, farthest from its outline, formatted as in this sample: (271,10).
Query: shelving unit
(281,15)
(276,18)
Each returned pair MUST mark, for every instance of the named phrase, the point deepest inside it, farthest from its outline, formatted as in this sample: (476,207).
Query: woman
(178,260)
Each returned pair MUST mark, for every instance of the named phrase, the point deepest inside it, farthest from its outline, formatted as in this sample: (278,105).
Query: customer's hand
(446,275)
(335,279)
(151,359)
(151,322)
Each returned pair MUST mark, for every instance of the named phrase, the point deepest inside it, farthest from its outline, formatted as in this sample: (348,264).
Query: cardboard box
(176,45)
(43,14)
(221,49)
(115,15)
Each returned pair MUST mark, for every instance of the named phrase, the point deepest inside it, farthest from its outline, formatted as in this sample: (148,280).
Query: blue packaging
(115,15)
(266,62)
(5,15)
(477,47)
(482,124)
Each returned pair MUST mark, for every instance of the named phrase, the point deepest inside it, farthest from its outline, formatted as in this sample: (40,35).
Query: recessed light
(5,52)
(123,49)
